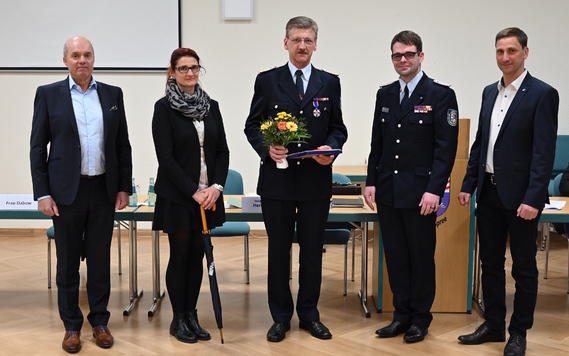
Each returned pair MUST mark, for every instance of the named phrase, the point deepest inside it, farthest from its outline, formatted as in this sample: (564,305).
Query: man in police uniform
(413,146)
(298,196)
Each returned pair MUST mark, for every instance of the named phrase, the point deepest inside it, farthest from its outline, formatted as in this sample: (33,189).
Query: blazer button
(298,163)
(420,121)
(382,120)
(299,144)
(396,156)
(276,106)
(301,112)
(396,171)
(397,141)
(398,126)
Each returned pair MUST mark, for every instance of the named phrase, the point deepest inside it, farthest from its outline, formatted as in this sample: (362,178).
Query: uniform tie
(299,85)
(405,97)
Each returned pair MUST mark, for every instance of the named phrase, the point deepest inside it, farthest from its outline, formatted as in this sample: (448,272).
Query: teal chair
(554,191)
(338,178)
(234,185)
(51,236)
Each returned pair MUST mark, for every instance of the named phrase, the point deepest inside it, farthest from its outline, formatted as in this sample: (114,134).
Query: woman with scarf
(193,160)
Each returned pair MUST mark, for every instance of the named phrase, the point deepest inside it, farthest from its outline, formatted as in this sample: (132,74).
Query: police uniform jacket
(412,148)
(275,91)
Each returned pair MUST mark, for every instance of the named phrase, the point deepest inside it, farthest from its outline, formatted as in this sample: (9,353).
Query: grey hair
(302,22)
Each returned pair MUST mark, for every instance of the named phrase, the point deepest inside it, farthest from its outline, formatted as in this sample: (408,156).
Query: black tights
(185,269)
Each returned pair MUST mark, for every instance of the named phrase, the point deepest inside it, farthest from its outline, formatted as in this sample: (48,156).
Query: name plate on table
(18,202)
(251,204)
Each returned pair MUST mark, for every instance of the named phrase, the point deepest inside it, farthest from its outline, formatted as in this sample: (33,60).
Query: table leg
(362,293)
(157,293)
(133,290)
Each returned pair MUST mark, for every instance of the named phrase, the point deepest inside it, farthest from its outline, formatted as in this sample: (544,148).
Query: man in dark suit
(510,166)
(413,146)
(298,196)
(80,181)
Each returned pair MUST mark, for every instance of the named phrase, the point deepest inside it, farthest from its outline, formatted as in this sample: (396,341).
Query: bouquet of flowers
(284,129)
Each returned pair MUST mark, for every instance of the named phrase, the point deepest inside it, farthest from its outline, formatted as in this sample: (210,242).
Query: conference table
(364,215)
(340,214)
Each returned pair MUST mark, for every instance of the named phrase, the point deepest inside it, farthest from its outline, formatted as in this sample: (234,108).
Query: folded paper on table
(347,202)
(251,204)
(18,202)
(555,205)
(310,153)
(233,202)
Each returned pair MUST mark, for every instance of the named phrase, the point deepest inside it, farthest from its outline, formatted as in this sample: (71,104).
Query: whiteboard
(126,34)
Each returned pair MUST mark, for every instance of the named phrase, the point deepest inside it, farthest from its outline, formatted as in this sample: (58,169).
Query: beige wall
(354,39)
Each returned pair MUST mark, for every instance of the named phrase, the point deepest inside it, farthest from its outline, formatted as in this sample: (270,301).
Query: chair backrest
(556,181)
(561,155)
(340,178)
(234,183)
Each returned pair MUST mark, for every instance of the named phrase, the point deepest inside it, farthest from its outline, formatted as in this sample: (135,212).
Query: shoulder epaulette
(441,83)
(386,85)
(267,70)
(334,74)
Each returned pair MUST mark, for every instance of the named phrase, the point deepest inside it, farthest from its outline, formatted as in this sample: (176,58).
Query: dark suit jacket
(412,152)
(275,91)
(178,151)
(525,146)
(58,171)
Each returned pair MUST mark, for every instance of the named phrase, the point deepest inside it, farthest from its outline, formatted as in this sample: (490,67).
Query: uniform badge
(384,109)
(452,117)
(316,111)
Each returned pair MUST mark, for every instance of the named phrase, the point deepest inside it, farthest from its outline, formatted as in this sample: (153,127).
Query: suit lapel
(517,99)
(314,85)
(287,84)
(487,109)
(105,106)
(65,94)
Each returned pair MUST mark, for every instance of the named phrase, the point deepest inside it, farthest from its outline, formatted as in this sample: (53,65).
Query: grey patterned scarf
(196,106)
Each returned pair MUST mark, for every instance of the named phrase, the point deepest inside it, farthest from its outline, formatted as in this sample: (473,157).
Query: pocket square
(113,108)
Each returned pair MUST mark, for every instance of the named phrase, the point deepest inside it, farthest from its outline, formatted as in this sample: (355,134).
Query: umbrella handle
(204,221)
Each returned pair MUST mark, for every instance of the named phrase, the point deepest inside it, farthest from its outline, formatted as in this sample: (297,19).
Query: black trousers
(84,226)
(280,217)
(494,224)
(409,240)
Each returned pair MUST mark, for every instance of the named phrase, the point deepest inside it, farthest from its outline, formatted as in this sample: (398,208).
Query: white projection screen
(127,35)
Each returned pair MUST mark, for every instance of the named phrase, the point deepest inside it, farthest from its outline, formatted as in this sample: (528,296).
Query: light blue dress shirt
(89,117)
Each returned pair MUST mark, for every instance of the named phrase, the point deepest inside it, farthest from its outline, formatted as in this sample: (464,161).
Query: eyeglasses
(185,69)
(297,41)
(408,56)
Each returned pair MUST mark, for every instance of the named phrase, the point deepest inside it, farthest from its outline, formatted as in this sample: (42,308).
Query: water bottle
(133,199)
(151,194)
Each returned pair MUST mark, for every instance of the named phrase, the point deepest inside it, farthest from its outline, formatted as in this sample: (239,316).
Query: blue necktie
(405,97)
(299,85)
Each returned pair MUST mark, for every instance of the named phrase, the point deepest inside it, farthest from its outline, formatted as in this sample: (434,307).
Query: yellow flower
(291,126)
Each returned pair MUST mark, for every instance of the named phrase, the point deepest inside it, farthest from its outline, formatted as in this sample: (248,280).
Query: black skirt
(173,217)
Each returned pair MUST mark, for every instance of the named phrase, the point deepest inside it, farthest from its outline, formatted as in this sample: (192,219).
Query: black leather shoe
(516,346)
(483,334)
(180,329)
(393,329)
(415,333)
(317,329)
(195,327)
(277,332)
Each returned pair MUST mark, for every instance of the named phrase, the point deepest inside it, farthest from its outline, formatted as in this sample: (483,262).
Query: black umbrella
(208,247)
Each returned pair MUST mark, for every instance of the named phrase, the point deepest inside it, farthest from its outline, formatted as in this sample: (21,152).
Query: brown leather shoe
(103,336)
(71,341)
